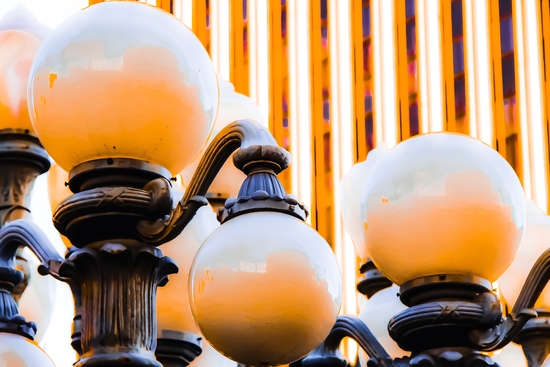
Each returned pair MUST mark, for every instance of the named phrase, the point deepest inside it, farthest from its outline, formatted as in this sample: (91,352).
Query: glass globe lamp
(20,38)
(352,187)
(442,204)
(122,80)
(233,106)
(22,19)
(376,314)
(535,242)
(58,191)
(210,357)
(18,351)
(173,311)
(265,289)
(37,303)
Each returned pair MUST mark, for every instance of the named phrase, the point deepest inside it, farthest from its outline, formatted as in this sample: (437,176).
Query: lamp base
(446,357)
(112,195)
(534,339)
(442,312)
(177,349)
(372,280)
(114,172)
(118,283)
(22,159)
(117,358)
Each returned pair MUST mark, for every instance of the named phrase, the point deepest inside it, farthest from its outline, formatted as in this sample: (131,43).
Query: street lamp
(443,217)
(21,160)
(123,96)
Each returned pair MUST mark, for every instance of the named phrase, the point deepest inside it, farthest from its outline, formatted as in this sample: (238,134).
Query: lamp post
(458,216)
(123,96)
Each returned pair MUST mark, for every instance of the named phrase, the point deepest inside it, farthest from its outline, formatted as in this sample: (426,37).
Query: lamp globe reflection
(258,276)
(458,204)
(110,83)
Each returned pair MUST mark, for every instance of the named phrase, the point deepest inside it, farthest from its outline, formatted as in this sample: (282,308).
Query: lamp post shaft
(115,273)
(22,159)
(118,284)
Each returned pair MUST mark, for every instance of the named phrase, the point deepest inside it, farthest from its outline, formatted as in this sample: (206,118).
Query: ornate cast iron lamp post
(124,103)
(123,95)
(458,215)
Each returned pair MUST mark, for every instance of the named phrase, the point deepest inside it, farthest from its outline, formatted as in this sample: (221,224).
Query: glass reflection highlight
(254,279)
(132,75)
(442,204)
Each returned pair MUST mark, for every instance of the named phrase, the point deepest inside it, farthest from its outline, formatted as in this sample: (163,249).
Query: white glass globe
(173,311)
(352,187)
(18,351)
(442,204)
(58,191)
(20,39)
(22,19)
(123,80)
(37,303)
(376,314)
(265,289)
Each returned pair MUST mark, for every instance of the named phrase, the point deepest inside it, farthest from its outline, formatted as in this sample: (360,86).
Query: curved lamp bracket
(23,232)
(256,148)
(499,336)
(328,354)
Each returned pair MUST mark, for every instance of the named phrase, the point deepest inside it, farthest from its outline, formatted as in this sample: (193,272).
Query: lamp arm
(23,232)
(523,310)
(328,354)
(254,143)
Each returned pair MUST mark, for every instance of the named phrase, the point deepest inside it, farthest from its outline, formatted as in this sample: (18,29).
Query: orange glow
(17,50)
(173,312)
(57,191)
(141,76)
(251,283)
(303,306)
(464,230)
(123,89)
(18,351)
